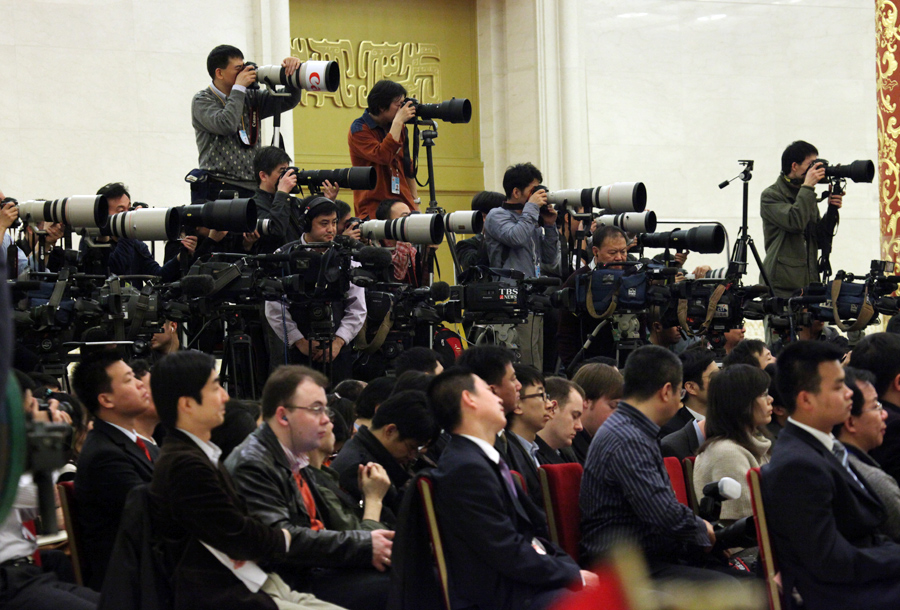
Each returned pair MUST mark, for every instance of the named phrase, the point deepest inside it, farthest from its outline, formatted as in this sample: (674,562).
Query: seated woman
(738,405)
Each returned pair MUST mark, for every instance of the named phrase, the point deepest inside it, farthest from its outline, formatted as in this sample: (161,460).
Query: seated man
(206,535)
(418,359)
(555,439)
(602,386)
(495,538)
(270,472)
(862,432)
(625,492)
(685,432)
(524,422)
(114,459)
(401,425)
(823,517)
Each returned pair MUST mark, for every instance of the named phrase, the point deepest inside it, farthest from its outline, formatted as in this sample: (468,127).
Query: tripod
(738,264)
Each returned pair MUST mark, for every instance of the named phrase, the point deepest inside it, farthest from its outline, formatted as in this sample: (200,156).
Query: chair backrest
(561,484)
(765,542)
(688,465)
(676,478)
(29,525)
(521,479)
(426,492)
(66,491)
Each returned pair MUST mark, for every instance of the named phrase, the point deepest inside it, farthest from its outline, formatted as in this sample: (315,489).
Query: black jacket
(521,462)
(263,477)
(580,445)
(681,443)
(681,417)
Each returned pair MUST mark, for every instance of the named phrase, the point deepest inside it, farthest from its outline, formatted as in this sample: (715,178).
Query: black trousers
(28,587)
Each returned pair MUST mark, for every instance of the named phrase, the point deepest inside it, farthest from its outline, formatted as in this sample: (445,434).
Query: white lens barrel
(631,222)
(146,225)
(464,222)
(373,230)
(416,229)
(621,197)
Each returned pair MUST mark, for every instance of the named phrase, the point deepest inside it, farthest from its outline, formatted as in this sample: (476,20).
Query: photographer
(226,118)
(790,216)
(522,235)
(473,251)
(319,222)
(407,262)
(274,182)
(378,139)
(9,213)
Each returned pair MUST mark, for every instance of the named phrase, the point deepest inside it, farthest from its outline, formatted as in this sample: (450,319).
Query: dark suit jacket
(193,500)
(488,535)
(520,461)
(547,454)
(681,417)
(824,528)
(110,466)
(888,454)
(580,445)
(682,443)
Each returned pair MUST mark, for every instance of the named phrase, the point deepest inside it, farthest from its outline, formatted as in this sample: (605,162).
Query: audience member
(418,359)
(145,424)
(241,419)
(495,538)
(862,432)
(349,389)
(698,366)
(555,440)
(370,398)
(750,351)
(733,337)
(167,341)
(495,366)
(270,473)
(114,459)
(529,417)
(343,427)
(823,517)
(602,385)
(211,545)
(739,406)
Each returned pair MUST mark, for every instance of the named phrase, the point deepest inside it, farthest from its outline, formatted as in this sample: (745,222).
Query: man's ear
(494,389)
(691,388)
(105,400)
(390,431)
(895,383)
(850,425)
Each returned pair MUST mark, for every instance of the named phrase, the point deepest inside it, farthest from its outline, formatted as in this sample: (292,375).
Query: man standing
(114,459)
(494,536)
(522,236)
(226,118)
(270,472)
(378,139)
(790,216)
(823,517)
(625,492)
(555,440)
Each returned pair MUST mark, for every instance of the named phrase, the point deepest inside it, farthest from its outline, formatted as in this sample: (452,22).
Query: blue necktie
(840,452)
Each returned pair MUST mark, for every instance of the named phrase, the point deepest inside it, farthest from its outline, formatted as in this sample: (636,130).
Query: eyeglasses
(541,395)
(878,408)
(314,410)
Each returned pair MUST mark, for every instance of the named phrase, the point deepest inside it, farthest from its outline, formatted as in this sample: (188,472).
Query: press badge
(538,546)
(395,185)
(244,137)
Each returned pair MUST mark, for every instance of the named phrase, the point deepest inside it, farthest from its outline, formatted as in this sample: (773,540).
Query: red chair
(688,465)
(766,556)
(676,478)
(521,479)
(426,491)
(66,491)
(29,525)
(561,484)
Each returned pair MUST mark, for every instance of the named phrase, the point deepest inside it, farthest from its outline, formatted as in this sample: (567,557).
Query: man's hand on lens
(54,233)
(548,215)
(405,113)
(246,77)
(836,200)
(190,243)
(539,198)
(290,65)
(288,181)
(217,236)
(8,215)
(355,233)
(814,174)
(250,239)
(330,190)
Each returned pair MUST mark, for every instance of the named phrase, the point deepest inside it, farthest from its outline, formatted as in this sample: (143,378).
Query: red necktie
(314,523)
(143,445)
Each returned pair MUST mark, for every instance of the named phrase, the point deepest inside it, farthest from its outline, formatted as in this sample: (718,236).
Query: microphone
(379,258)
(725,488)
(809,299)
(273,258)
(25,285)
(198,285)
(440,291)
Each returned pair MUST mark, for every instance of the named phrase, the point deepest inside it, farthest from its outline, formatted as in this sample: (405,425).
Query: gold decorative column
(887,21)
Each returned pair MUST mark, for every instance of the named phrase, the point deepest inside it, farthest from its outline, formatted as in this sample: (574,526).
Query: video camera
(499,296)
(454,110)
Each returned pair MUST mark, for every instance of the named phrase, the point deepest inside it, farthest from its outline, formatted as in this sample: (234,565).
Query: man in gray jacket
(522,235)
(790,216)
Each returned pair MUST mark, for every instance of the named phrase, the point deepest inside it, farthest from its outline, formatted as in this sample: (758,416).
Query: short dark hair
(599,381)
(46,380)
(283,382)
(383,94)
(90,379)
(648,369)
(343,208)
(745,352)
(346,410)
(140,366)
(606,232)
(485,201)
(528,375)
(409,411)
(178,374)
(445,394)
(416,359)
(694,363)
(412,380)
(312,209)
(114,190)
(376,392)
(219,57)
(559,388)
(878,353)
(798,369)
(349,389)
(267,159)
(853,377)
(796,152)
(732,397)
(383,211)
(487,361)
(239,423)
(519,176)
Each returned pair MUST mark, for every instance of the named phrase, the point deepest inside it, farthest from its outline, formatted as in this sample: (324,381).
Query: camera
(415,228)
(706,239)
(858,171)
(310,76)
(616,197)
(630,222)
(455,110)
(353,178)
(263,226)
(146,224)
(77,211)
(237,215)
(464,222)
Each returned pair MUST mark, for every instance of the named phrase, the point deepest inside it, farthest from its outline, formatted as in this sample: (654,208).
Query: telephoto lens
(310,76)
(644,222)
(616,197)
(707,239)
(78,211)
(147,224)
(223,215)
(427,229)
(464,222)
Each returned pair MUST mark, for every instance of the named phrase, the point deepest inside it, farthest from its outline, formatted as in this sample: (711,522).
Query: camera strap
(710,311)
(140,312)
(378,340)
(613,301)
(865,314)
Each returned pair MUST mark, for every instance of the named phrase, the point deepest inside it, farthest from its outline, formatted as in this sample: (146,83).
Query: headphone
(306,213)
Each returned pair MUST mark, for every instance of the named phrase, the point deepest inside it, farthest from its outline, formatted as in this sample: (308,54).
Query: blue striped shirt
(626,493)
